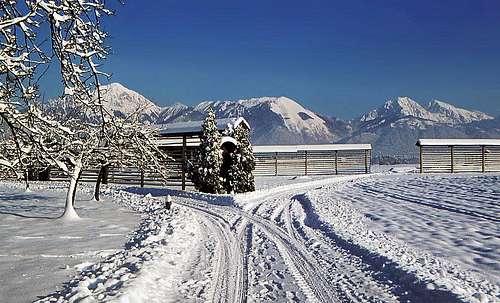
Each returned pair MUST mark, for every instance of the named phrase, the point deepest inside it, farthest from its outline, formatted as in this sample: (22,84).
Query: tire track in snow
(337,273)
(230,278)
(303,267)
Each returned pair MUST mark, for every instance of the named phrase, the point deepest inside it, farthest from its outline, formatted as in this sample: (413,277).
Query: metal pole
(183,174)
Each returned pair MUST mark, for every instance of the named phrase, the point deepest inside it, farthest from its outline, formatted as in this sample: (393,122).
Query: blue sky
(336,57)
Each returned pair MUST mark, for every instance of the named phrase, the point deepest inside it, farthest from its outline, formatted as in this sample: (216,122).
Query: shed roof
(457,142)
(194,127)
(313,147)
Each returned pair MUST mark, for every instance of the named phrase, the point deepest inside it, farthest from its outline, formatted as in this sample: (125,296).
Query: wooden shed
(319,159)
(459,155)
(180,140)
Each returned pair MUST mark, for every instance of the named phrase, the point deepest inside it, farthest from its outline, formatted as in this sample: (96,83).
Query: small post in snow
(168,202)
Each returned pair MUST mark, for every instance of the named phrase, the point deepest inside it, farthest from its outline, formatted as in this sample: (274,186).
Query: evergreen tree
(206,169)
(246,181)
(241,163)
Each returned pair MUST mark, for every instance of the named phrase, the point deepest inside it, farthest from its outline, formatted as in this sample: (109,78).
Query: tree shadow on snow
(21,196)
(30,211)
(28,217)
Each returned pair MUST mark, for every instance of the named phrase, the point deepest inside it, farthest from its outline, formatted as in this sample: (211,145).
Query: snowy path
(317,268)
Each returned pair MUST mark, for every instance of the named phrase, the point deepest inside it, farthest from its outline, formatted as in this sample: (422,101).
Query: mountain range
(392,129)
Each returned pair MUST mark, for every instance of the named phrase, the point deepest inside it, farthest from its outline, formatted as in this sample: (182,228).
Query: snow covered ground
(394,236)
(38,252)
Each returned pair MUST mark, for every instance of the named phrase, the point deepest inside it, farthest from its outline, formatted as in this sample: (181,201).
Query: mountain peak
(124,102)
(439,103)
(403,106)
(114,84)
(452,114)
(179,105)
(436,111)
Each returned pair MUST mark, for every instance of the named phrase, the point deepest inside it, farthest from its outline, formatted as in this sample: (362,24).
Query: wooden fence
(455,159)
(287,161)
(327,162)
(130,176)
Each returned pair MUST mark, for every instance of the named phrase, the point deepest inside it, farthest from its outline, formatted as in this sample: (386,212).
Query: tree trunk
(27,184)
(69,210)
(100,178)
(76,186)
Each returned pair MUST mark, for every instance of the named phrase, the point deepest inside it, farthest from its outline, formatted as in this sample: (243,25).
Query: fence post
(483,158)
(452,160)
(183,176)
(421,159)
(305,167)
(366,161)
(276,163)
(336,162)
(142,177)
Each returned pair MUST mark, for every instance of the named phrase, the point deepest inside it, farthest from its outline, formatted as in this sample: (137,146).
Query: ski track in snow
(277,245)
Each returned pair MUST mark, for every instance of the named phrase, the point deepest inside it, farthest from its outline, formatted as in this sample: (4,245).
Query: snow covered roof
(454,142)
(195,126)
(227,139)
(314,147)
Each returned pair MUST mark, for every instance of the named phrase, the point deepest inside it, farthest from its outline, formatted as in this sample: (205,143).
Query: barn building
(179,140)
(459,155)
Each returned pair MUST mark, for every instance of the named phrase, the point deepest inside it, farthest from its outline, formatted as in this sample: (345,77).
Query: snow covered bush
(206,167)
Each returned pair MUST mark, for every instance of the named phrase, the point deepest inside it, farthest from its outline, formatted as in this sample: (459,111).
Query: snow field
(363,238)
(152,258)
(39,252)
(443,229)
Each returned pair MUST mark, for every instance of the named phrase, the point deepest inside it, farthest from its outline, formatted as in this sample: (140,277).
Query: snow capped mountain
(124,102)
(291,122)
(274,120)
(436,111)
(393,128)
(405,106)
(454,115)
(173,113)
